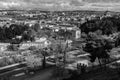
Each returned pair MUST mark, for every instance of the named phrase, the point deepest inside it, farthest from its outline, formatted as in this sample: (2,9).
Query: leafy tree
(12,47)
(107,25)
(25,36)
(8,33)
(98,49)
(64,33)
(44,53)
(36,27)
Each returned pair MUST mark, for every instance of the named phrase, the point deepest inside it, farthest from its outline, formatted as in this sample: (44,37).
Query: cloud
(61,4)
(99,1)
(77,3)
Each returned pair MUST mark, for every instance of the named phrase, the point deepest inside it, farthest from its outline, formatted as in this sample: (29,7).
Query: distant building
(3,46)
(78,34)
(51,25)
(40,44)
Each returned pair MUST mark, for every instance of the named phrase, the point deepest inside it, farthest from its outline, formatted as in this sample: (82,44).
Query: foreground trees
(98,49)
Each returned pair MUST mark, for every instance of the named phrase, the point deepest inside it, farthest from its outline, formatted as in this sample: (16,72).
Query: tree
(8,33)
(32,48)
(64,33)
(107,25)
(98,49)
(36,27)
(44,53)
(12,47)
(117,40)
(25,36)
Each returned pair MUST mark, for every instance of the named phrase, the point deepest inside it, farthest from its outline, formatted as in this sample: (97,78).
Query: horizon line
(58,10)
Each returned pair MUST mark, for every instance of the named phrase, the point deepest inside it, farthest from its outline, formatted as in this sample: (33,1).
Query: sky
(112,5)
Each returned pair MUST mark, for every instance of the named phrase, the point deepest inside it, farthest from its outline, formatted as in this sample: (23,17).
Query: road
(41,75)
(46,74)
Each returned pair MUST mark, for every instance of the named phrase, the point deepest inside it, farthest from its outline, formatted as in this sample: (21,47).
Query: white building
(3,46)
(37,44)
(78,34)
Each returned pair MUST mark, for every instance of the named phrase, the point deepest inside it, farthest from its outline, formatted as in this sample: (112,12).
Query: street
(41,75)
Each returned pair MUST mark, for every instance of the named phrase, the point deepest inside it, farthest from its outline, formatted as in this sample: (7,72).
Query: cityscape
(42,43)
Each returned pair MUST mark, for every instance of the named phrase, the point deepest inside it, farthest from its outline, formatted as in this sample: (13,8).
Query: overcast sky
(113,5)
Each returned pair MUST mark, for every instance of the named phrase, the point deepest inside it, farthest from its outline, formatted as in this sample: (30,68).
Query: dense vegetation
(107,25)
(8,33)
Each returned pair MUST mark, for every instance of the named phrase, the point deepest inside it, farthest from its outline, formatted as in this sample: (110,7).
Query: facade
(42,44)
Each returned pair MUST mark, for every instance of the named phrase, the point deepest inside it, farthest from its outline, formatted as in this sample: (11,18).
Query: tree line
(107,25)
